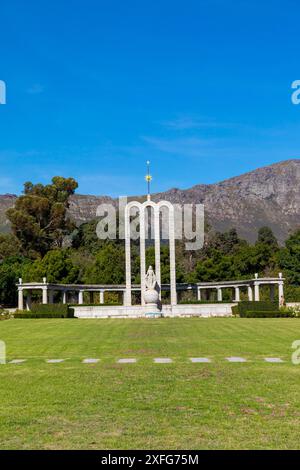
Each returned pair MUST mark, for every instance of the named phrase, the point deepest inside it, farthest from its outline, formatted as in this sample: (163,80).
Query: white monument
(142,208)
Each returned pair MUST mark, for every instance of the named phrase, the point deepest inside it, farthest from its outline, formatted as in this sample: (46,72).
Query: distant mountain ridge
(266,196)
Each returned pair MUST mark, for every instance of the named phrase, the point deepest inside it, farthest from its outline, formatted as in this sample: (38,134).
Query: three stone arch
(142,207)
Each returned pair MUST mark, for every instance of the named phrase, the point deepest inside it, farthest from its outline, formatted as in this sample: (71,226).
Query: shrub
(106,304)
(267,314)
(235,310)
(191,302)
(292,311)
(47,311)
(242,308)
(4,314)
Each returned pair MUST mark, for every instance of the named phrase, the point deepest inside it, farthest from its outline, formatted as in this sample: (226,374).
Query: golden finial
(148,178)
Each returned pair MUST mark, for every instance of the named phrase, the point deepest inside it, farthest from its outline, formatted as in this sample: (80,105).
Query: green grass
(144,405)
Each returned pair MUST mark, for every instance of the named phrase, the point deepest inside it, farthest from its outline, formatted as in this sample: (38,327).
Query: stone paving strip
(54,361)
(162,360)
(199,359)
(273,359)
(235,359)
(156,360)
(126,361)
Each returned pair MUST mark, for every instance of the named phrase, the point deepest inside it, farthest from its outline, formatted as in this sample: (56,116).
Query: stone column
(142,254)
(219,294)
(127,257)
(250,294)
(237,294)
(198,293)
(64,298)
(80,297)
(28,301)
(101,296)
(157,247)
(256,291)
(280,290)
(172,256)
(20,298)
(44,295)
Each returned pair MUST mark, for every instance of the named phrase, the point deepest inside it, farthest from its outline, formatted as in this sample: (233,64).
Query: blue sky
(95,88)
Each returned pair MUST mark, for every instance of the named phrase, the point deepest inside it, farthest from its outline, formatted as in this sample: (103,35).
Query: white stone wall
(136,311)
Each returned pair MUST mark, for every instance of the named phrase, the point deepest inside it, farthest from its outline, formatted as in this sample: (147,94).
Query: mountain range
(267,196)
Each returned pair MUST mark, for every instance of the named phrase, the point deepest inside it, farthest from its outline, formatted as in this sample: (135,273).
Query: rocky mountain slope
(266,196)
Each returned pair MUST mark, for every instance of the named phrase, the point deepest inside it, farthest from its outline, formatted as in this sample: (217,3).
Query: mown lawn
(144,405)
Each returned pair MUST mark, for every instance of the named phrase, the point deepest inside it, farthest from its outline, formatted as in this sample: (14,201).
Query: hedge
(267,314)
(191,302)
(47,311)
(106,304)
(247,306)
(40,315)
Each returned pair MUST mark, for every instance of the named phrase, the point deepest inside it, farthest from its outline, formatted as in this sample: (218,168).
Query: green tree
(227,257)
(289,259)
(85,236)
(39,219)
(11,269)
(266,249)
(108,267)
(224,242)
(216,268)
(57,266)
(9,246)
(267,237)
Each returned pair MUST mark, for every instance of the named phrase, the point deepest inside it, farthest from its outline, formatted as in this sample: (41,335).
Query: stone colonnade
(48,290)
(252,286)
